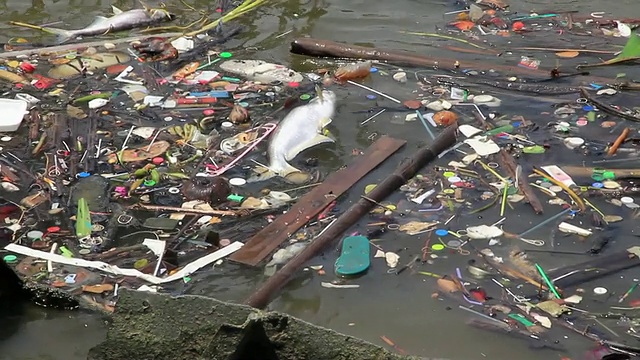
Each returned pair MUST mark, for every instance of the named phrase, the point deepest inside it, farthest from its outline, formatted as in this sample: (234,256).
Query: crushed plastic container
(13,112)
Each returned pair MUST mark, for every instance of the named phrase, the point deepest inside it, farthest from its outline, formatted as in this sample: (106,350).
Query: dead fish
(121,20)
(9,186)
(301,129)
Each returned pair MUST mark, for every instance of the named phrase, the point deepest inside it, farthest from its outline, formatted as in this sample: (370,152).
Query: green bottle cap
(225,55)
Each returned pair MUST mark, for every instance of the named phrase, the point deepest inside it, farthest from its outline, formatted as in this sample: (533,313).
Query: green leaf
(632,48)
(536,149)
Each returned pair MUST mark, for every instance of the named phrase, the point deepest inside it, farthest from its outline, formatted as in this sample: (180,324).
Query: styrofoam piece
(13,112)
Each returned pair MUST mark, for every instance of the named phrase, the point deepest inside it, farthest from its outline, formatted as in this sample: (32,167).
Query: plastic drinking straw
(545,222)
(424,123)
(483,316)
(549,283)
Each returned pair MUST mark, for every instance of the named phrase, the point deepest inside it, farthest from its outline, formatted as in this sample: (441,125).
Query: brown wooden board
(268,239)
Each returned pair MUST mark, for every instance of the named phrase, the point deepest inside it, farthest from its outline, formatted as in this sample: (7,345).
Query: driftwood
(327,48)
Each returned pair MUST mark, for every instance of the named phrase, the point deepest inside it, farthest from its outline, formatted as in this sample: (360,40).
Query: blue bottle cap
(373,70)
(516,124)
(442,232)
(587,108)
(371,97)
(83,174)
(598,185)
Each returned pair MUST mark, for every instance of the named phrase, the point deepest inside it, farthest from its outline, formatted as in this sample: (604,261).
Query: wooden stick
(183,210)
(606,108)
(616,144)
(510,164)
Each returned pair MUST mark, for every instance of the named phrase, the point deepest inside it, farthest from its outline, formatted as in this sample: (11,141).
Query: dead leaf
(464,25)
(567,54)
(415,227)
(552,308)
(447,286)
(76,112)
(97,289)
(612,218)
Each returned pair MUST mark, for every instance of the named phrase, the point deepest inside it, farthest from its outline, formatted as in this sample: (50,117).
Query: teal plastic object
(355,256)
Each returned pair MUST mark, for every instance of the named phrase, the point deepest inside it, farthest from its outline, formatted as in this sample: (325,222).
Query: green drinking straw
(549,283)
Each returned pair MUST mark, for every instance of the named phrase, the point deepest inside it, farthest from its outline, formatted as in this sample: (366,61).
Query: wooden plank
(271,237)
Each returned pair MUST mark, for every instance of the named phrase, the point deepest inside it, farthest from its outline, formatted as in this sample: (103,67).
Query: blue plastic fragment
(442,232)
(373,69)
(371,97)
(596,86)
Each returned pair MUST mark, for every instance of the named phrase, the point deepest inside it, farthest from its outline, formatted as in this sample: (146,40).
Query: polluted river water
(388,307)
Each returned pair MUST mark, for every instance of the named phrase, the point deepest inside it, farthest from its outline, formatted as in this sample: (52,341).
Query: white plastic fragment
(97,103)
(392,259)
(483,232)
(112,269)
(572,229)
(329,285)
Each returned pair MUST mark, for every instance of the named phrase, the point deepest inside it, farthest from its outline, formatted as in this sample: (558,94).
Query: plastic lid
(587,108)
(449,174)
(454,179)
(10,258)
(454,243)
(225,55)
(373,69)
(237,181)
(208,112)
(305,97)
(609,175)
(597,185)
(84,174)
(35,234)
(244,104)
(293,84)
(625,200)
(226,124)
(437,247)
(600,290)
(149,183)
(53,229)
(371,97)
(582,122)
(84,251)
(173,190)
(442,232)
(157,160)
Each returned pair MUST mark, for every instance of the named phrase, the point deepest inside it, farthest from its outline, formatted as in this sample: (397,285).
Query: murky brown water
(399,307)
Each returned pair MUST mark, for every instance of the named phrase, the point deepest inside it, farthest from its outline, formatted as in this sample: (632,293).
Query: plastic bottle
(353,71)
